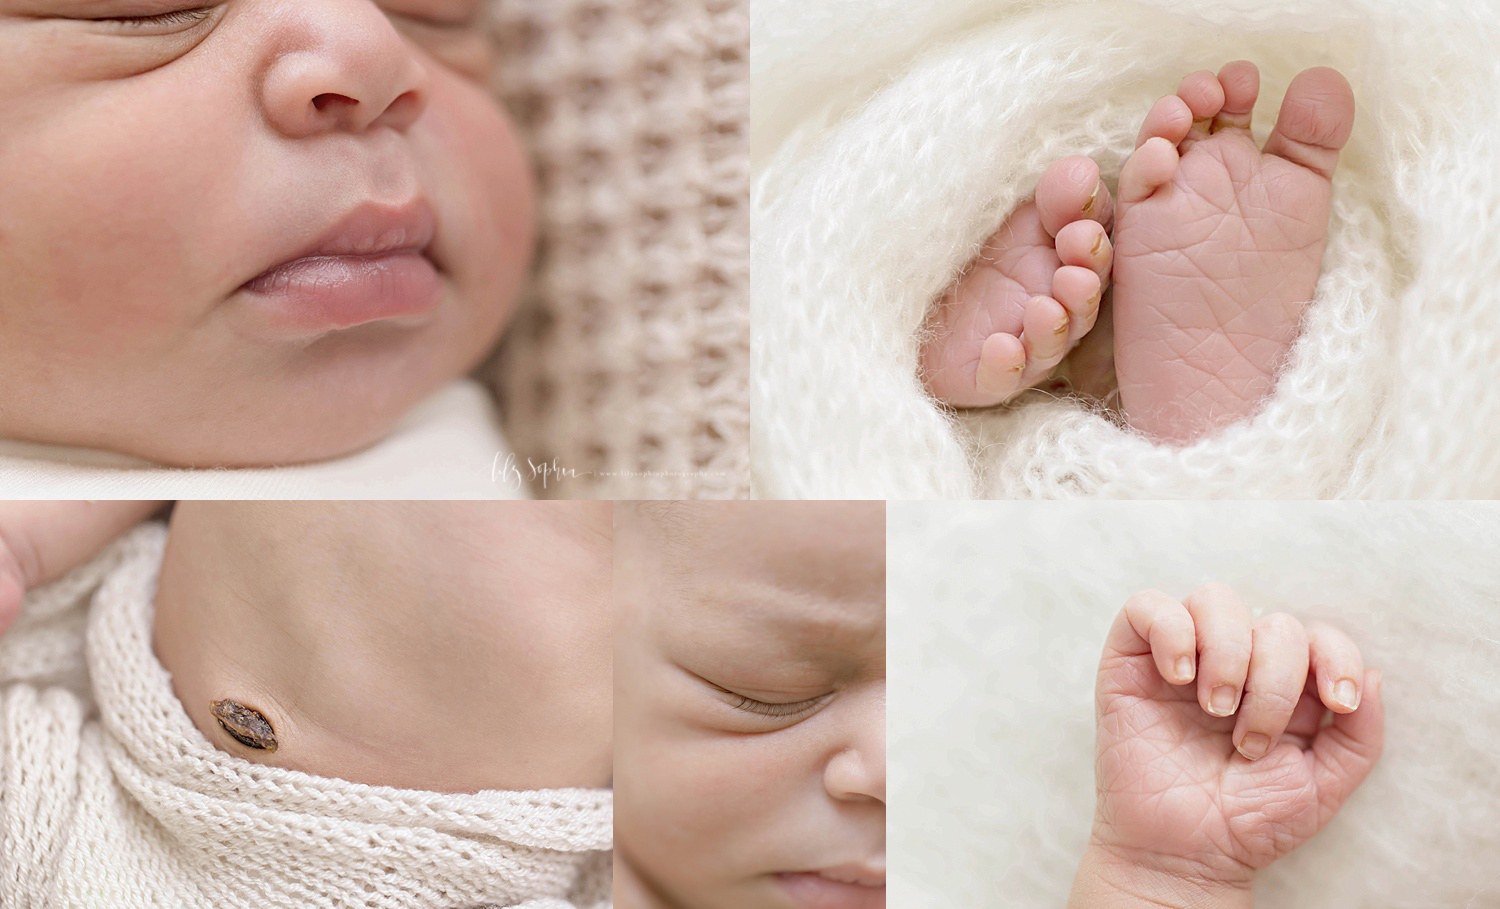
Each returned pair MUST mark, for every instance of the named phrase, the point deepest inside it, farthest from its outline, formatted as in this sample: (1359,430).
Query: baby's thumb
(1346,750)
(12,586)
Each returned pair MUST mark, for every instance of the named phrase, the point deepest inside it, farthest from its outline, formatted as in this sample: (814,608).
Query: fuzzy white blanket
(890,137)
(110,797)
(998,613)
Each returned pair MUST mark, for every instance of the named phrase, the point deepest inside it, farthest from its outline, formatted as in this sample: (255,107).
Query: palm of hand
(1170,779)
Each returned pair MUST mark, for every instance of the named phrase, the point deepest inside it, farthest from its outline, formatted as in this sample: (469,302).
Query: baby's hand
(42,541)
(1212,760)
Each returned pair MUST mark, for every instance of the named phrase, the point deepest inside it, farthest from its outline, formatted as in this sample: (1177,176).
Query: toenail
(1061,327)
(1089,205)
(245,724)
(1098,245)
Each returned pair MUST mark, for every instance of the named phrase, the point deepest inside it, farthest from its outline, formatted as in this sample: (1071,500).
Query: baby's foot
(1218,245)
(1031,294)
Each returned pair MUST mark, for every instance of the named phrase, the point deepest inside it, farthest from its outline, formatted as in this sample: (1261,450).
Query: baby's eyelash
(765,708)
(177,17)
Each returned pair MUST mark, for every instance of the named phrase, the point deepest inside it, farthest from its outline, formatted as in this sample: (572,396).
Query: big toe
(1317,116)
(1071,191)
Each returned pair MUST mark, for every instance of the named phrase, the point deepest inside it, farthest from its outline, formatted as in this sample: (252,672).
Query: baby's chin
(331,400)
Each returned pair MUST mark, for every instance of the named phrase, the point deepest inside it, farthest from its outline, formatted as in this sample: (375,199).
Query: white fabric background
(998,612)
(890,137)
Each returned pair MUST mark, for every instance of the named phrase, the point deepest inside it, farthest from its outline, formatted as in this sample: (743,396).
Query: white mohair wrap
(891,137)
(998,615)
(111,797)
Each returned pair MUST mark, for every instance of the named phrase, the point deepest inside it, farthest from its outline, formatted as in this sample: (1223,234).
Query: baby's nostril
(321,102)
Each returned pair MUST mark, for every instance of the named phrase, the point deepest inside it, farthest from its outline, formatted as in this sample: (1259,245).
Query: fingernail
(1185,668)
(1254,745)
(1345,694)
(1221,700)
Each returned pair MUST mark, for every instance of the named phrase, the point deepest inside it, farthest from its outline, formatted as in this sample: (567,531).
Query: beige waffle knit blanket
(631,365)
(111,797)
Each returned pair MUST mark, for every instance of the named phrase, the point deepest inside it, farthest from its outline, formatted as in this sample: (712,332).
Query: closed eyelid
(778,710)
(738,700)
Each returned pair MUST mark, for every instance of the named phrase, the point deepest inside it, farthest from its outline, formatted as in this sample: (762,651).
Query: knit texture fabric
(629,366)
(111,797)
(998,615)
(891,137)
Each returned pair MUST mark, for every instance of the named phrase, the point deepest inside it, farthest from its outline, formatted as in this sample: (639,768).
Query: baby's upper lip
(372,229)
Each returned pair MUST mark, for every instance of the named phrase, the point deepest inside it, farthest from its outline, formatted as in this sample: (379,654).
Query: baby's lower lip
(810,890)
(326,293)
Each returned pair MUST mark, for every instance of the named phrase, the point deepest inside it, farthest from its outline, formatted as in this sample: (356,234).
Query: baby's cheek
(475,159)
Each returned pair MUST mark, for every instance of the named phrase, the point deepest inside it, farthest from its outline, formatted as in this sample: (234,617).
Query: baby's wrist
(1112,876)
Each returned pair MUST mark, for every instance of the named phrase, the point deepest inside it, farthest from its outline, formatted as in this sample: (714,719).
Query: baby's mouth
(841,887)
(853,874)
(372,265)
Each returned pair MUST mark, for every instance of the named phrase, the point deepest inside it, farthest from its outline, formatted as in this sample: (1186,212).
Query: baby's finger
(1154,623)
(1336,663)
(1278,673)
(1223,646)
(18,571)
(1344,751)
(1307,719)
(12,590)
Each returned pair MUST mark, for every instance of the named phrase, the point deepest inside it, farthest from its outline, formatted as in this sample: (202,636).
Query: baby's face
(750,703)
(155,172)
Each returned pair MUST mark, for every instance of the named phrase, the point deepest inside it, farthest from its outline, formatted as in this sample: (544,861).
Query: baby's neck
(399,644)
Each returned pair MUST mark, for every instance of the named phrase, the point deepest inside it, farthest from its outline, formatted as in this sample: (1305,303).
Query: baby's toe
(1169,118)
(1086,244)
(1317,116)
(1079,290)
(1241,83)
(1148,167)
(1047,327)
(1002,359)
(1204,96)
(1071,191)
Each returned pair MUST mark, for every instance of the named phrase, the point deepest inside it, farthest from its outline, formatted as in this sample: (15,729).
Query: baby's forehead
(809,575)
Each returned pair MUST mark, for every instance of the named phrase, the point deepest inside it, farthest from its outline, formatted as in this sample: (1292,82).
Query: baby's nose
(338,65)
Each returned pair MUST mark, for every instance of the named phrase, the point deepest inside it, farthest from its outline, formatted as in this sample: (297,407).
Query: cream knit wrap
(890,137)
(111,797)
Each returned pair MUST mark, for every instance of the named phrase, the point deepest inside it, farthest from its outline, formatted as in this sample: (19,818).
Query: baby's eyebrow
(811,624)
(450,9)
